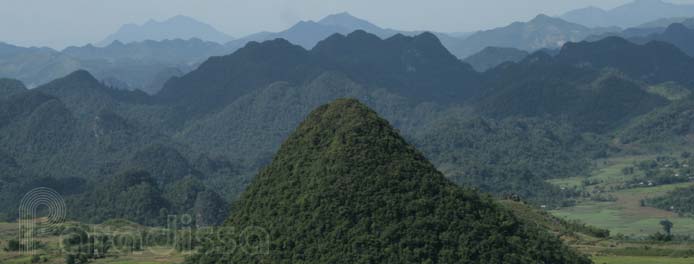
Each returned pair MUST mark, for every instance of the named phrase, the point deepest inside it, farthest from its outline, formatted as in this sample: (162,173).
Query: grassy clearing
(625,215)
(670,90)
(608,172)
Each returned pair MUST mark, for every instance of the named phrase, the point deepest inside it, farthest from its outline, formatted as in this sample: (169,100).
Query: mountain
(631,14)
(308,33)
(577,84)
(642,33)
(176,52)
(665,22)
(676,34)
(491,57)
(178,27)
(654,62)
(351,23)
(34,66)
(338,170)
(144,65)
(419,68)
(541,32)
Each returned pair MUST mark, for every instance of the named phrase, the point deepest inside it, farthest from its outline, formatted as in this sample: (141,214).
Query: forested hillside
(346,188)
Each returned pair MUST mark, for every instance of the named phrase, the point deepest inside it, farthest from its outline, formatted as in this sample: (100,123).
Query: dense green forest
(346,188)
(207,133)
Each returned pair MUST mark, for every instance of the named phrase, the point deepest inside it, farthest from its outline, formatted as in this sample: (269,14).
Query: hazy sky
(58,23)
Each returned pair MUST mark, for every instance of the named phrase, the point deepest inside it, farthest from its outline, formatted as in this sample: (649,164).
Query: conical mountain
(346,188)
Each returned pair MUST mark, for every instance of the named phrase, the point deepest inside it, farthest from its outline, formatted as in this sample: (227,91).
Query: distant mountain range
(131,63)
(34,66)
(665,22)
(178,27)
(676,34)
(541,32)
(308,33)
(142,65)
(629,15)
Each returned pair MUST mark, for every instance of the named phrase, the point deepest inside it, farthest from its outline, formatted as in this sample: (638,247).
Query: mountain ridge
(630,14)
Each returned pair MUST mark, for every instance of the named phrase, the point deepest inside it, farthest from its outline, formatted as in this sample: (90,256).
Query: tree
(12,245)
(70,259)
(667,226)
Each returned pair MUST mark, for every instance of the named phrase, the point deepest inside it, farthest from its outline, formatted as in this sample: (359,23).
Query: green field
(625,215)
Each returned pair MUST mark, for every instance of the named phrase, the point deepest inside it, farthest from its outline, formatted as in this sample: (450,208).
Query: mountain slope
(345,188)
(220,80)
(654,62)
(308,33)
(416,67)
(629,15)
(491,57)
(9,87)
(665,22)
(178,27)
(669,125)
(419,68)
(676,34)
(592,98)
(142,65)
(139,65)
(34,66)
(541,32)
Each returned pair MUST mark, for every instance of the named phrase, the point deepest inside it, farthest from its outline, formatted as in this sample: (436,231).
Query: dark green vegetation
(654,62)
(8,87)
(346,188)
(491,57)
(67,135)
(470,152)
(679,200)
(664,127)
(505,131)
(673,170)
